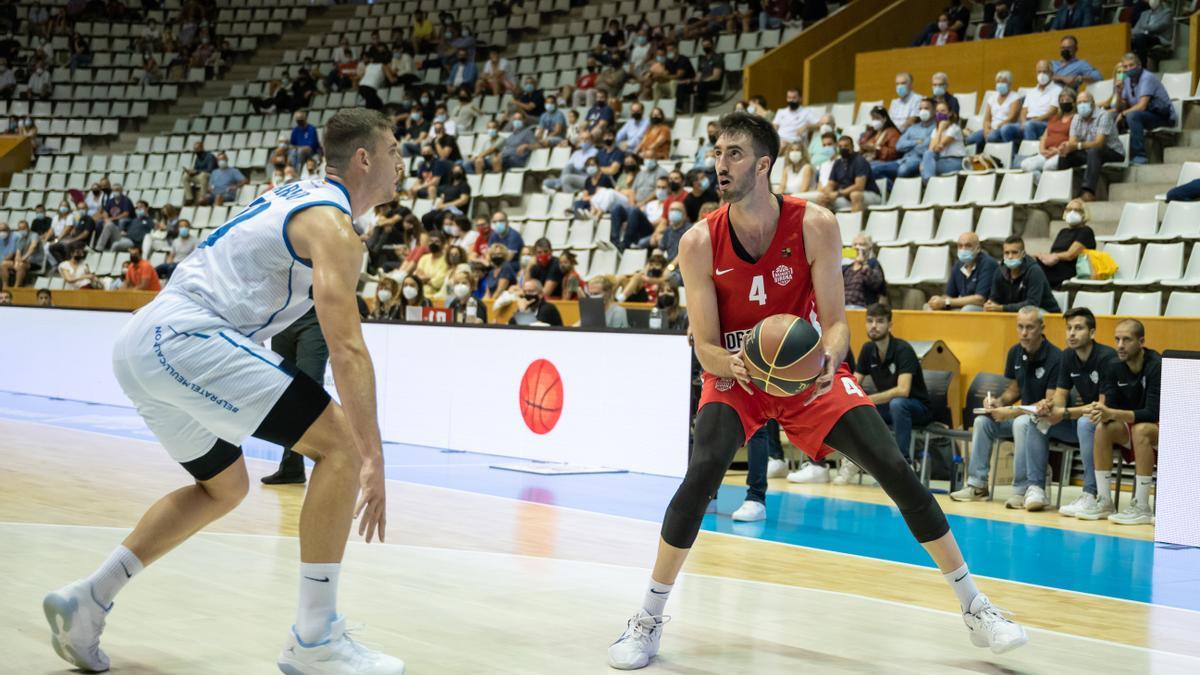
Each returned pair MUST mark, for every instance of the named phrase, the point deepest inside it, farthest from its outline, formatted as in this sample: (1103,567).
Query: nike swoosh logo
(964,576)
(324,581)
(1124,384)
(1074,374)
(657,593)
(127,574)
(720,272)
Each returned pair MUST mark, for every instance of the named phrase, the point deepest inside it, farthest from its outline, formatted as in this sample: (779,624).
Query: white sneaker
(1134,514)
(337,654)
(810,473)
(847,473)
(639,643)
(1015,501)
(76,622)
(970,493)
(1084,501)
(776,468)
(750,511)
(1098,510)
(1035,498)
(990,629)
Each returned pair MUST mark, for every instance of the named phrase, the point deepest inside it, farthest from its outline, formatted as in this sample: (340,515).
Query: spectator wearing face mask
(629,136)
(225,182)
(195,178)
(1073,14)
(1020,283)
(1000,108)
(946,148)
(943,35)
(609,157)
(692,92)
(631,225)
(574,173)
(138,227)
(76,273)
(546,268)
(675,317)
(183,245)
(863,278)
(388,305)
(62,224)
(596,180)
(1093,141)
(23,252)
(604,286)
(645,285)
(850,185)
(970,282)
(678,223)
(600,117)
(702,193)
(1153,29)
(412,294)
(1070,242)
(905,108)
(303,141)
(572,283)
(532,301)
(1143,105)
(552,124)
(1058,130)
(94,200)
(878,142)
(1039,107)
(503,234)
(656,142)
(501,272)
(530,100)
(460,296)
(82,231)
(140,274)
(797,178)
(940,86)
(116,216)
(911,147)
(1071,71)
(433,268)
(794,121)
(453,198)
(823,146)
(40,224)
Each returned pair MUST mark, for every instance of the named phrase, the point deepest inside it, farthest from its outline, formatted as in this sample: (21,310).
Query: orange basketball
(783,355)
(541,396)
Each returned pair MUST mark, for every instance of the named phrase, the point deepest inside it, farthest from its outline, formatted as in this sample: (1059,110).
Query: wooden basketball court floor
(525,580)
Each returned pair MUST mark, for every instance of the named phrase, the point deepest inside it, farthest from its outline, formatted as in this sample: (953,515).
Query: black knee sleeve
(862,436)
(718,435)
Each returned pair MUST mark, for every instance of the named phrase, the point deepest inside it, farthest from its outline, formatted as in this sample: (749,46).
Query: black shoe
(281,478)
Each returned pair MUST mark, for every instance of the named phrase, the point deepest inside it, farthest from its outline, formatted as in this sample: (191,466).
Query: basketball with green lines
(783,355)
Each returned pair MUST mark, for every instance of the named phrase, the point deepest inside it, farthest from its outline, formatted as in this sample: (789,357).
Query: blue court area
(1103,565)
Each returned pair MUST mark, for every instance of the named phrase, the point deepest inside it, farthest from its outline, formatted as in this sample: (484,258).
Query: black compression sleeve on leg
(862,436)
(718,436)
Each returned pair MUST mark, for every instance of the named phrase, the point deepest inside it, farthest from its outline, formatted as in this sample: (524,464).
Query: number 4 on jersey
(852,387)
(758,290)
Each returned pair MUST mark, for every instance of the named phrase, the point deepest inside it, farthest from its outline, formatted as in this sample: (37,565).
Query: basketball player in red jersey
(758,255)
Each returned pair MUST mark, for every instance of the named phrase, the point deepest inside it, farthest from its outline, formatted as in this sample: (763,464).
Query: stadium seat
(978,188)
(1055,187)
(882,225)
(1061,298)
(952,223)
(1160,262)
(1189,173)
(1100,302)
(632,260)
(1138,221)
(930,265)
(850,224)
(940,191)
(1015,188)
(995,223)
(906,193)
(1002,152)
(916,226)
(1181,221)
(1140,304)
(894,261)
(1183,303)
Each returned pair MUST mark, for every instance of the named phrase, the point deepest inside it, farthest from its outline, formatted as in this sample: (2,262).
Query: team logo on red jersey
(724,383)
(782,275)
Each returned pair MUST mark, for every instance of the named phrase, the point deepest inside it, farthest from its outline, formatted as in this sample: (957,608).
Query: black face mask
(458,177)
(532,297)
(674,186)
(666,301)
(793,104)
(712,139)
(630,168)
(435,248)
(637,116)
(1066,54)
(654,272)
(80,255)
(656,120)
(498,260)
(845,153)
(134,258)
(1066,106)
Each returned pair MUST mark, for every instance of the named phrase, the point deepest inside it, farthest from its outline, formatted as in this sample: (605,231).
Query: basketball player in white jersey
(193,363)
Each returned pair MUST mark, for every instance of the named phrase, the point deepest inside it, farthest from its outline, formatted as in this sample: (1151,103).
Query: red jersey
(779,283)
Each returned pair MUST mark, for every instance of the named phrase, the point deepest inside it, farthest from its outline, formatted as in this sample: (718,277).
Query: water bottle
(656,319)
(472,310)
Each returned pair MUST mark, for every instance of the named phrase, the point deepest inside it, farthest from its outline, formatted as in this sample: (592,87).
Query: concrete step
(1105,212)
(1137,192)
(1155,173)
(1181,154)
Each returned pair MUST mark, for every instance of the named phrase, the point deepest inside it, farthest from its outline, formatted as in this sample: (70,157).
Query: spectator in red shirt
(140,274)
(585,86)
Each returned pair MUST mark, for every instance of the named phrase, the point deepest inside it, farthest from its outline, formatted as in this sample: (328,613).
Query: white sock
(318,600)
(964,586)
(656,597)
(1103,489)
(1141,490)
(112,576)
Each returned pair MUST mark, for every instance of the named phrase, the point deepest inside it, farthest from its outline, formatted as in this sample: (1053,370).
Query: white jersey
(246,272)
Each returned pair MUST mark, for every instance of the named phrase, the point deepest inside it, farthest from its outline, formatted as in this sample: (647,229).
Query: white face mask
(385,296)
(876,124)
(461,290)
(410,292)
(1043,79)
(1154,3)
(1074,217)
(795,156)
(826,128)
(924,115)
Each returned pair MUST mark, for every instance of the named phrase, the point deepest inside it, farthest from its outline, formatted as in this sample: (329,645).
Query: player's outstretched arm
(823,245)
(325,236)
(696,264)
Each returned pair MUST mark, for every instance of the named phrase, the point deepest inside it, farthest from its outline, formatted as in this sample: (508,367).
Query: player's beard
(739,187)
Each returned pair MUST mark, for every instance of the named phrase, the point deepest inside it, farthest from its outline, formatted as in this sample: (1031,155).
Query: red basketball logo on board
(541,396)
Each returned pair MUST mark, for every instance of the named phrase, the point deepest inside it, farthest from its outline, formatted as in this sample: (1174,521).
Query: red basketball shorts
(806,426)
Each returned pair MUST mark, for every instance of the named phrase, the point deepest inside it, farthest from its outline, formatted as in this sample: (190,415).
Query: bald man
(971,280)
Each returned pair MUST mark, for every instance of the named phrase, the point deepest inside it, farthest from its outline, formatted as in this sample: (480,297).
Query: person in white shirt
(795,121)
(496,75)
(946,150)
(76,273)
(1041,104)
(39,82)
(1001,107)
(907,105)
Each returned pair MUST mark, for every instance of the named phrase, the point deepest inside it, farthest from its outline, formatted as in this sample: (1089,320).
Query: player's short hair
(880,310)
(760,130)
(1139,330)
(1081,312)
(1015,239)
(350,129)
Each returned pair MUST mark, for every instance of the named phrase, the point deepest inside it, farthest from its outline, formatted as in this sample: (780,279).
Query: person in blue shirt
(600,117)
(503,234)
(1070,71)
(552,124)
(970,282)
(463,73)
(303,142)
(912,146)
(225,182)
(1144,104)
(1073,14)
(630,134)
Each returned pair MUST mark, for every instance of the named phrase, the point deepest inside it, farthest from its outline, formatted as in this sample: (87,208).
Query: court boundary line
(642,520)
(572,561)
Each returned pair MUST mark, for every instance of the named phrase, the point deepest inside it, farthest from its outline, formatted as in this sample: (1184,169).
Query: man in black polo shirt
(900,397)
(1031,368)
(1127,416)
(850,184)
(1083,362)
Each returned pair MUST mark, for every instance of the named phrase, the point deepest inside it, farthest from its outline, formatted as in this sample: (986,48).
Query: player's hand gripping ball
(783,355)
